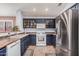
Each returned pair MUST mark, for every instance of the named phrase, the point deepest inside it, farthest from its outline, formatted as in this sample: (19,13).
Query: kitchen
(11,42)
(29,30)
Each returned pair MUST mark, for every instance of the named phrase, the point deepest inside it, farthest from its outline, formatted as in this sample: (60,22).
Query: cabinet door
(21,46)
(2,26)
(53,40)
(28,40)
(33,39)
(3,51)
(48,39)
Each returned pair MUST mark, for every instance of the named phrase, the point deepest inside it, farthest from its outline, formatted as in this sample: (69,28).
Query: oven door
(40,39)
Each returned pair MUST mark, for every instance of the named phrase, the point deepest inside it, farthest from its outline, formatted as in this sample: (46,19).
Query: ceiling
(33,9)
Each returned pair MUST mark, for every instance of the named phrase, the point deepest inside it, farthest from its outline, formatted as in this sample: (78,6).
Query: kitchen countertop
(4,41)
(47,33)
(40,30)
(3,34)
(51,31)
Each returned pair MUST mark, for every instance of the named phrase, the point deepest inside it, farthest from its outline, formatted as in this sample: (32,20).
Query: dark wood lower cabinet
(3,51)
(33,39)
(51,40)
(26,41)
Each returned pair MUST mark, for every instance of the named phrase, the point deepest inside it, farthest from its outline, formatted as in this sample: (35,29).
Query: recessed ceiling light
(34,9)
(46,9)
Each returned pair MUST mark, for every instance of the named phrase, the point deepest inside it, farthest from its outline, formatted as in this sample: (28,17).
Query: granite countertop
(8,40)
(4,34)
(12,37)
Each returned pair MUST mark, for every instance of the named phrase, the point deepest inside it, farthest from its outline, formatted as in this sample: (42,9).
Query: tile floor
(40,51)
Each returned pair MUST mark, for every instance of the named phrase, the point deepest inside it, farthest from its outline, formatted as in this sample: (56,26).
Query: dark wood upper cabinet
(31,23)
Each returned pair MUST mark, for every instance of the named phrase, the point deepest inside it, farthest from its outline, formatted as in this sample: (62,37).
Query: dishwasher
(13,49)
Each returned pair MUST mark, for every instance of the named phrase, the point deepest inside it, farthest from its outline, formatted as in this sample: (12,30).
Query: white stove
(41,36)
(41,39)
